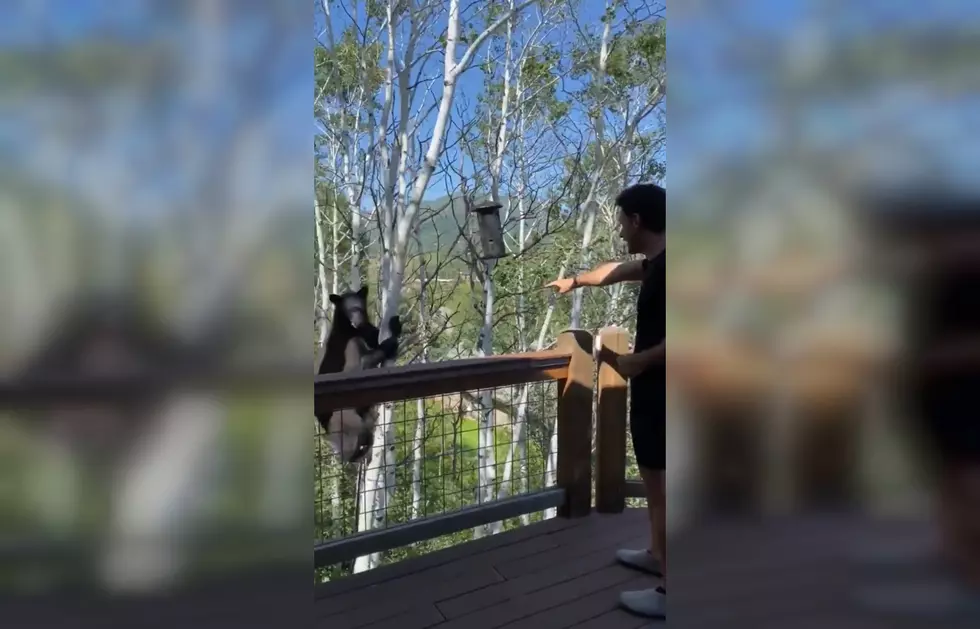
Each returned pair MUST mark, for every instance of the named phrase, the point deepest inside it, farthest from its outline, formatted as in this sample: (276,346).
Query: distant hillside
(441,220)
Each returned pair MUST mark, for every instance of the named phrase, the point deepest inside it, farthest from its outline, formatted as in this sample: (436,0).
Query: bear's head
(350,308)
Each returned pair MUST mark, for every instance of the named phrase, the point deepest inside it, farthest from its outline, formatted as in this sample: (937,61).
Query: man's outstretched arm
(605,274)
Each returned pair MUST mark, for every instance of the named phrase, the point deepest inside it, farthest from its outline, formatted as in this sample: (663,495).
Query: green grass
(470,438)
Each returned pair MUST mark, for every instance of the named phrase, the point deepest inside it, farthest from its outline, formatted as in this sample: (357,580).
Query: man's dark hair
(649,202)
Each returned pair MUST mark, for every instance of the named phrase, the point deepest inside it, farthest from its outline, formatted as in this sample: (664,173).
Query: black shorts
(946,410)
(648,427)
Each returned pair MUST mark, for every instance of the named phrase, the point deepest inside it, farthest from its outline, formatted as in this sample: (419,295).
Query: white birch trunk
(487,459)
(373,481)
(159,494)
(398,173)
(353,202)
(396,255)
(418,456)
(496,167)
(486,455)
(551,465)
(324,308)
(588,223)
(612,310)
(519,430)
(518,423)
(418,445)
(321,267)
(335,249)
(284,495)
(379,477)
(588,228)
(406,222)
(396,170)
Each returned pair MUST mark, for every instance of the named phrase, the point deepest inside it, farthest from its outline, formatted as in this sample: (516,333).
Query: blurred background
(155,303)
(154,296)
(801,132)
(792,123)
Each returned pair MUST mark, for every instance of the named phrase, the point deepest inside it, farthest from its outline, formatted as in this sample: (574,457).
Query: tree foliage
(524,125)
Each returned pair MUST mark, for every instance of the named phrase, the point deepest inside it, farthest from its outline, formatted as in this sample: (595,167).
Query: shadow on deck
(786,572)
(558,573)
(760,573)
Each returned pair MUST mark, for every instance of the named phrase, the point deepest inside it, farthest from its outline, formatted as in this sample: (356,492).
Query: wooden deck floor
(552,574)
(560,573)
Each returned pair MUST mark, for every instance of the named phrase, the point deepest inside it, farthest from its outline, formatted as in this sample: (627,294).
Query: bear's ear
(336,299)
(362,292)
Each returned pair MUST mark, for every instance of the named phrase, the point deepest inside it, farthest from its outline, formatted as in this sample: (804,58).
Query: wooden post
(575,424)
(610,484)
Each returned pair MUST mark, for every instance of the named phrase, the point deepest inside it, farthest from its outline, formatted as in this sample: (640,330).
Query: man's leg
(937,594)
(653,558)
(654,482)
(649,452)
(649,439)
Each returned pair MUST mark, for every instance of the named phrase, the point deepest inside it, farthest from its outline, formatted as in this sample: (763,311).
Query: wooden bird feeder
(491,231)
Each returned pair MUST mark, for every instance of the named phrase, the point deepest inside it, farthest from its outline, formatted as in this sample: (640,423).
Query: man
(939,581)
(642,218)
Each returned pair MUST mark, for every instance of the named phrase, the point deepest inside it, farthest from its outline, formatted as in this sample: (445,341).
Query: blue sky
(22,21)
(471,83)
(732,112)
(145,136)
(729,113)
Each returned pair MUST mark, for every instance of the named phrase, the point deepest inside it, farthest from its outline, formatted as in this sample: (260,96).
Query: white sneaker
(650,603)
(640,560)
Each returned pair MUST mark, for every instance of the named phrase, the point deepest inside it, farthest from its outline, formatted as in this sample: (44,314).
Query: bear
(353,345)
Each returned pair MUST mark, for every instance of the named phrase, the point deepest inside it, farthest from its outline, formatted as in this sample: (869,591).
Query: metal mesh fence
(446,452)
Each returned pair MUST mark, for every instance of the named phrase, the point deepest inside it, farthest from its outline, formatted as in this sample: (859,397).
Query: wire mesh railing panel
(444,453)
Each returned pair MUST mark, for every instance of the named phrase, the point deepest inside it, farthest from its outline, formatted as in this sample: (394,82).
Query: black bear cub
(352,333)
(353,345)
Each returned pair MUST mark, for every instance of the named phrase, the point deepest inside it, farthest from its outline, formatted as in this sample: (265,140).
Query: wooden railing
(388,384)
(45,391)
(572,365)
(612,486)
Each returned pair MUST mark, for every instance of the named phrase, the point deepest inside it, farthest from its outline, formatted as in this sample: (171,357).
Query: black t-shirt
(651,331)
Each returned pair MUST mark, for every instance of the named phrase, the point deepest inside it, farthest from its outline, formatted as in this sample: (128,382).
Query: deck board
(441,558)
(562,573)
(545,574)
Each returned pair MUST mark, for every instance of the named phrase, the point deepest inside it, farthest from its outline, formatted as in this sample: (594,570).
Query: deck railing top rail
(571,366)
(389,384)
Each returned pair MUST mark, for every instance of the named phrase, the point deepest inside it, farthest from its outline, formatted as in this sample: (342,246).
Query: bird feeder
(491,231)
